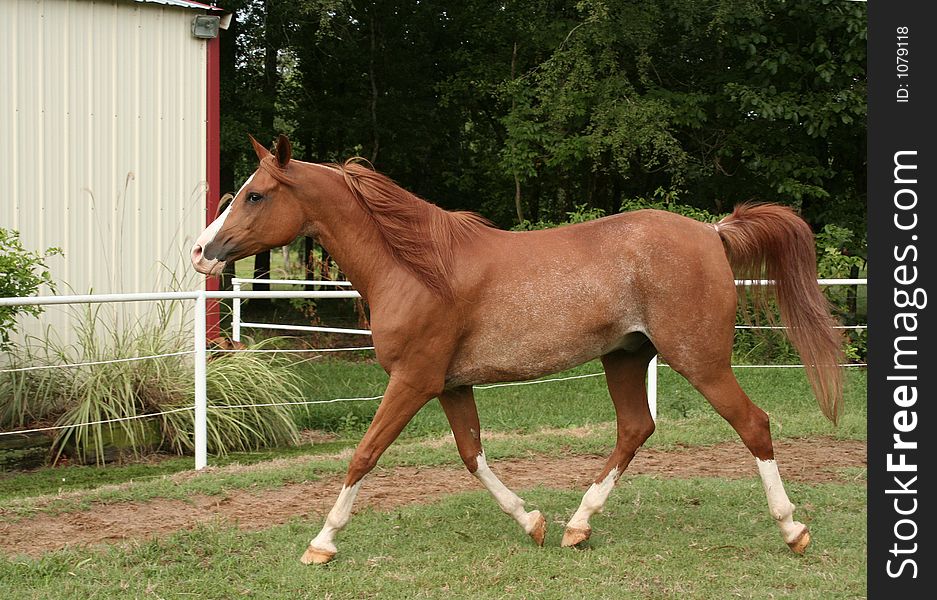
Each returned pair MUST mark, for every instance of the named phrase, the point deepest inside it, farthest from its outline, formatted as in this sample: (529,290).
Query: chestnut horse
(455,302)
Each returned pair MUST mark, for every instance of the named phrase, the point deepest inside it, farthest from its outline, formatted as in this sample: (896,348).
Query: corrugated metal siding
(102,139)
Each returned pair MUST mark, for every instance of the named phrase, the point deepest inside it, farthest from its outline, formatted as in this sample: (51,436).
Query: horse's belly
(566,309)
(515,353)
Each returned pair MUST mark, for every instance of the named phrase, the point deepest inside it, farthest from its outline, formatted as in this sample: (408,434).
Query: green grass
(701,538)
(84,477)
(784,393)
(684,418)
(657,538)
(244,269)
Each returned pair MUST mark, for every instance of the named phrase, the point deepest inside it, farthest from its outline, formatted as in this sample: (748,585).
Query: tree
(561,104)
(726,101)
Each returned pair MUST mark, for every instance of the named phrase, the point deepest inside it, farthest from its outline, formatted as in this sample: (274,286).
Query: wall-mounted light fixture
(206,26)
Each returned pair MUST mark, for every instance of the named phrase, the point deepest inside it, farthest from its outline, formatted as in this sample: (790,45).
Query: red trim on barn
(213,163)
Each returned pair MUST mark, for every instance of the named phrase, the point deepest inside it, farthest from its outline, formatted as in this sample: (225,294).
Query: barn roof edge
(183,4)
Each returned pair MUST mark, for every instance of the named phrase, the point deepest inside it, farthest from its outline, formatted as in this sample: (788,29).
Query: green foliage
(727,100)
(30,396)
(840,255)
(834,259)
(580,214)
(663,199)
(23,272)
(583,102)
(352,424)
(235,381)
(127,390)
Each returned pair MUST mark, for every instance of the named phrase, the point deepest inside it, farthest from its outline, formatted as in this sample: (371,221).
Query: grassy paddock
(784,393)
(684,418)
(657,538)
(700,538)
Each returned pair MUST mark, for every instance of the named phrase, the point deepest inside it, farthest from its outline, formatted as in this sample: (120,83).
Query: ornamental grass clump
(80,398)
(244,389)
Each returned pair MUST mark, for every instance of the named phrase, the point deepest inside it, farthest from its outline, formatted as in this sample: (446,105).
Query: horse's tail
(769,241)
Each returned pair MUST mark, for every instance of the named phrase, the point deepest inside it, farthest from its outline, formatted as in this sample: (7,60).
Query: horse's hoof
(573,536)
(315,556)
(801,542)
(539,531)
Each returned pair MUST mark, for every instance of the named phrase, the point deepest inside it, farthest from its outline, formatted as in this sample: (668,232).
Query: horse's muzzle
(204,265)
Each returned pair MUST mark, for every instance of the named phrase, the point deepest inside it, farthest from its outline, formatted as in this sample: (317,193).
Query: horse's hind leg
(460,409)
(624,373)
(722,390)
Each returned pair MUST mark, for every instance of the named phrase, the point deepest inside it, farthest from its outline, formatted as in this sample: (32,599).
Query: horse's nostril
(196,253)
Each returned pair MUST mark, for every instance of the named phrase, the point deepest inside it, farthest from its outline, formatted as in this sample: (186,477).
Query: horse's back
(637,249)
(540,302)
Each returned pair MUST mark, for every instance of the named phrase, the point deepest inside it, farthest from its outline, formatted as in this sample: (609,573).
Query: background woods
(537,109)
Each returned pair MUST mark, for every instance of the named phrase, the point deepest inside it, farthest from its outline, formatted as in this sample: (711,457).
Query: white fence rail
(200,342)
(199,336)
(237,323)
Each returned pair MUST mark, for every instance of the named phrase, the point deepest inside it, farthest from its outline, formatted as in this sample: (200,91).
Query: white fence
(200,342)
(237,324)
(199,337)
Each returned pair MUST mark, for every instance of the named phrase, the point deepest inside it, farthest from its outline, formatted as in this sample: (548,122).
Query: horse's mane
(420,235)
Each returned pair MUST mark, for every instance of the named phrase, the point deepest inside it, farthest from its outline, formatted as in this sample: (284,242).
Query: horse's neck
(348,234)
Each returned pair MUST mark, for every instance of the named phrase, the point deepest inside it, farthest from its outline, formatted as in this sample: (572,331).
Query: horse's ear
(224,203)
(259,148)
(284,151)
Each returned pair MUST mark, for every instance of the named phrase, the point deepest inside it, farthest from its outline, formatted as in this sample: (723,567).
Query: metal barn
(109,136)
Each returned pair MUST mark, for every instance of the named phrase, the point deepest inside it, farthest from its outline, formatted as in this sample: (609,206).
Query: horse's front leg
(401,401)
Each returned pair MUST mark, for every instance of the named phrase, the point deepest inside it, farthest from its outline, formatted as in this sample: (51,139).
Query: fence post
(652,387)
(236,314)
(201,395)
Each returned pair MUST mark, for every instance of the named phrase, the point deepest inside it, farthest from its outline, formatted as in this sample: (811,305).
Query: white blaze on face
(212,230)
(213,266)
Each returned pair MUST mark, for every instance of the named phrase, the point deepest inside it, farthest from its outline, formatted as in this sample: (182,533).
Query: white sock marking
(779,505)
(593,500)
(507,500)
(337,518)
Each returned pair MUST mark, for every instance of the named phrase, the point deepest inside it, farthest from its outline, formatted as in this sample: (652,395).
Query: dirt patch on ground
(811,461)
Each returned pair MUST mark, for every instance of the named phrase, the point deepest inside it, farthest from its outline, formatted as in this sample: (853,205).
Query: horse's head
(264,214)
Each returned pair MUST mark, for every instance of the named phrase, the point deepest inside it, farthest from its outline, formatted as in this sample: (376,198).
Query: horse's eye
(254,197)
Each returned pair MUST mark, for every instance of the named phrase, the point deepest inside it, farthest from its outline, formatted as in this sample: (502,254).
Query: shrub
(233,382)
(580,214)
(668,200)
(24,272)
